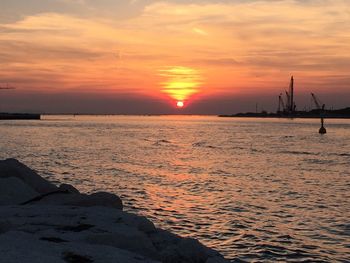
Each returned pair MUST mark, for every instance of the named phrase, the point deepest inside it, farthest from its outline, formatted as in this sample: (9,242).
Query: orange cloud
(181,82)
(239,47)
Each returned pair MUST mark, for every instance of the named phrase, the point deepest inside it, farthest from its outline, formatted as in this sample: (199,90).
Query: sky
(143,56)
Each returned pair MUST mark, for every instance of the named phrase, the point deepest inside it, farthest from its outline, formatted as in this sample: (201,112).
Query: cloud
(238,46)
(225,62)
(14,10)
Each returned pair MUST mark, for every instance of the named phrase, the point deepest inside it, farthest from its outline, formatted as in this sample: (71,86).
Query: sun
(180,104)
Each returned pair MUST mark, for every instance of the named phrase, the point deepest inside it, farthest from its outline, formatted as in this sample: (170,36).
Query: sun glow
(182,82)
(180,104)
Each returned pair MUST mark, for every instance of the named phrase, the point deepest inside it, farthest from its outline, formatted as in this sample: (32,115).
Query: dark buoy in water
(322,130)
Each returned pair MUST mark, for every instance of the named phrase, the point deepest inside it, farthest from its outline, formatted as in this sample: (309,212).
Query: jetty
(19,116)
(312,114)
(46,222)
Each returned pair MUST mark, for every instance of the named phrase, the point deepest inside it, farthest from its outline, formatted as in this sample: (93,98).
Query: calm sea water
(254,189)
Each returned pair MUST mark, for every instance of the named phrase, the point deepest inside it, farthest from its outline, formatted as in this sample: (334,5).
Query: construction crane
(318,103)
(288,101)
(288,104)
(281,105)
(291,93)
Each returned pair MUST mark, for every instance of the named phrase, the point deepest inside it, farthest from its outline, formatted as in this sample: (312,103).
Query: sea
(256,190)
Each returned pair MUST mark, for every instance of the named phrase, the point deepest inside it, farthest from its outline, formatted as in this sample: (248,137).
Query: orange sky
(173,50)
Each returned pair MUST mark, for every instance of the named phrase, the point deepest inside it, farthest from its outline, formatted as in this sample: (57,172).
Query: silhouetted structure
(322,130)
(292,106)
(19,116)
(287,109)
(321,110)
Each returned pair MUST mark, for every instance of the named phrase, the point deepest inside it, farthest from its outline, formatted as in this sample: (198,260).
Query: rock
(100,199)
(68,188)
(5,226)
(126,238)
(13,168)
(59,224)
(186,250)
(73,199)
(20,247)
(95,228)
(217,259)
(139,222)
(14,191)
(174,249)
(163,239)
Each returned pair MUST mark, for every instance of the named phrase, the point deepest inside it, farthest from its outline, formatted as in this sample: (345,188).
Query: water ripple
(282,195)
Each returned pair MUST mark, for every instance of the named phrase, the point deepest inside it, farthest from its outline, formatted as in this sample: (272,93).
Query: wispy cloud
(237,45)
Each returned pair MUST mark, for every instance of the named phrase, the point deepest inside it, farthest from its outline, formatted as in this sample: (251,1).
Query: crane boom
(291,94)
(317,102)
(281,105)
(288,101)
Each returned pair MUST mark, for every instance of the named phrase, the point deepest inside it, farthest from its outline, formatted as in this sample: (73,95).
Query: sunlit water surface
(254,189)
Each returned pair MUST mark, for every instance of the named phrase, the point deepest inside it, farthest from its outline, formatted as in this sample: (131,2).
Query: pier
(19,116)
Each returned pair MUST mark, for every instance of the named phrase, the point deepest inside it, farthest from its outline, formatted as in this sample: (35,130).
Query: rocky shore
(42,222)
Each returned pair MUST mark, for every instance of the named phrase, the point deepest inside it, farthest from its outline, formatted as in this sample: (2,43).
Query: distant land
(19,116)
(316,113)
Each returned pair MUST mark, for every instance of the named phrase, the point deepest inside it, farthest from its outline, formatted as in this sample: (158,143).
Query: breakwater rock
(42,222)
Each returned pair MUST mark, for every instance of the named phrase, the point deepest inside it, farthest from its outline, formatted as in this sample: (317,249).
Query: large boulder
(174,249)
(66,228)
(21,185)
(14,191)
(75,199)
(22,247)
(59,224)
(13,168)
(99,199)
(127,238)
(68,188)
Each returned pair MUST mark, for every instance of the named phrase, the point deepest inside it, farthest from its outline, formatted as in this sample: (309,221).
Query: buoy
(322,130)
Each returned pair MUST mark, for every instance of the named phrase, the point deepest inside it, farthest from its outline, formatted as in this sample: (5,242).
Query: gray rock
(100,199)
(72,199)
(94,228)
(5,226)
(13,168)
(22,247)
(68,188)
(126,238)
(14,191)
(186,250)
(163,239)
(141,223)
(60,224)
(217,259)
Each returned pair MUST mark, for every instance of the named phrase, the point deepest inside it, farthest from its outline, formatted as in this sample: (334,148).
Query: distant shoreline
(313,114)
(281,117)
(20,116)
(336,114)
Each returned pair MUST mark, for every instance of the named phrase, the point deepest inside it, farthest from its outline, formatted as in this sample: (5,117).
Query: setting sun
(180,104)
